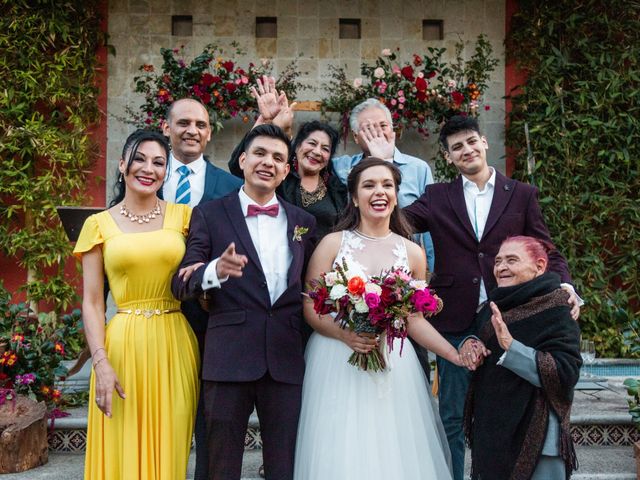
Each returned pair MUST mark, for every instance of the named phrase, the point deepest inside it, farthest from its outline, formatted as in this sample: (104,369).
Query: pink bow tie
(271,210)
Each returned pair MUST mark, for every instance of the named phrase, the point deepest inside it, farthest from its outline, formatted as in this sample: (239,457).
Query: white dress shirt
(196,179)
(478,204)
(269,237)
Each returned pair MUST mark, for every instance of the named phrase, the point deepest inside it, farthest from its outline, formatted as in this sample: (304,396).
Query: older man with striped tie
(192,179)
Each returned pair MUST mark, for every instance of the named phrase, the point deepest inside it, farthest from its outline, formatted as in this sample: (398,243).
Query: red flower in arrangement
(230,87)
(147,68)
(417,60)
(356,286)
(207,80)
(387,296)
(233,103)
(457,98)
(8,358)
(228,66)
(319,298)
(407,72)
(421,84)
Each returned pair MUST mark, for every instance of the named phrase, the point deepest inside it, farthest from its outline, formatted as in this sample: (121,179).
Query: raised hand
(502,332)
(375,140)
(230,264)
(269,101)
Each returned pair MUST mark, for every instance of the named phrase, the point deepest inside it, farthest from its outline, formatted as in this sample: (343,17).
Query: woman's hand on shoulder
(106,382)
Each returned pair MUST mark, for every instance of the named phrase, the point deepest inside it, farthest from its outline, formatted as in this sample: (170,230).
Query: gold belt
(148,313)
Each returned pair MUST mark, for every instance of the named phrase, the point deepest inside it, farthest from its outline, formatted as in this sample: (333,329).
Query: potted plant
(633,389)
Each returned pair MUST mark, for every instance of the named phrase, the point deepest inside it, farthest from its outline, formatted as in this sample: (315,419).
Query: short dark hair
(456,124)
(266,131)
(129,151)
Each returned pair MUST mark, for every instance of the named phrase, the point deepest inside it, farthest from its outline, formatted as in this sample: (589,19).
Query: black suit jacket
(247,335)
(461,259)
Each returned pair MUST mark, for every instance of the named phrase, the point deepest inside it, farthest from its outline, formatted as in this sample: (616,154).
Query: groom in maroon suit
(253,247)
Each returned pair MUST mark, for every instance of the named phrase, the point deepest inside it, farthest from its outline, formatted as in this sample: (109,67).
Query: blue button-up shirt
(416,175)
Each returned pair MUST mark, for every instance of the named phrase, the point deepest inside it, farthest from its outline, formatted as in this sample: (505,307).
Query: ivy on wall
(581,104)
(48,101)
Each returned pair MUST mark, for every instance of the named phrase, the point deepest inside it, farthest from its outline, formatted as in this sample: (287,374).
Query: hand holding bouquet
(380,305)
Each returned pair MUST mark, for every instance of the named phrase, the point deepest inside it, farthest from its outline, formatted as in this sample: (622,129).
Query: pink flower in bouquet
(396,69)
(372,300)
(386,52)
(378,72)
(357,82)
(382,87)
(403,275)
(424,302)
(401,100)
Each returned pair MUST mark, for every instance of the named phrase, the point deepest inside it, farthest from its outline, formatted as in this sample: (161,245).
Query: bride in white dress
(369,425)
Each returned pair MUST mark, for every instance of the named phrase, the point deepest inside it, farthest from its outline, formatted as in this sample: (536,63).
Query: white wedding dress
(357,425)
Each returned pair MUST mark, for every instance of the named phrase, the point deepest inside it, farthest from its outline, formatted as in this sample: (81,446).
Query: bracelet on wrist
(95,364)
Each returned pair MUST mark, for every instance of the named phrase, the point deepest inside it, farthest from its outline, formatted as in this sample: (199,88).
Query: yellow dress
(154,354)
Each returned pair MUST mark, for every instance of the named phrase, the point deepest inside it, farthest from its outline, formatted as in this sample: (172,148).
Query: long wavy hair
(351,215)
(129,153)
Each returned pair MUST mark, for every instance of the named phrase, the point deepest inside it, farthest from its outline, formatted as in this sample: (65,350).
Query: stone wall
(307,30)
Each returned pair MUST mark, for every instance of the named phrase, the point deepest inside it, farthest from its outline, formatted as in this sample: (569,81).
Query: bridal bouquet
(379,305)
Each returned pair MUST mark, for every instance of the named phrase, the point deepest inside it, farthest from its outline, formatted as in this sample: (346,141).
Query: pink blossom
(400,106)
(245,80)
(400,93)
(393,102)
(402,100)
(378,72)
(382,87)
(424,301)
(395,69)
(238,81)
(420,74)
(357,82)
(386,52)
(372,300)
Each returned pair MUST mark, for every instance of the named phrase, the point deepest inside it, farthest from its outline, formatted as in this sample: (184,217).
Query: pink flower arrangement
(378,305)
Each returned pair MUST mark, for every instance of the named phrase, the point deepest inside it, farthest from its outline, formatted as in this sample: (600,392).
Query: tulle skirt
(359,425)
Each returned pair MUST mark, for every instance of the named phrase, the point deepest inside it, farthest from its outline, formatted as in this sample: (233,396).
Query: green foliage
(581,103)
(47,106)
(219,83)
(633,389)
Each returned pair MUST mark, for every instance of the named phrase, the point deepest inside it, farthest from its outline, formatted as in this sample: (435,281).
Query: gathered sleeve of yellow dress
(90,236)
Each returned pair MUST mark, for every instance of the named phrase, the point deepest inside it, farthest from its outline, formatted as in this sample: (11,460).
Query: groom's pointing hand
(230,264)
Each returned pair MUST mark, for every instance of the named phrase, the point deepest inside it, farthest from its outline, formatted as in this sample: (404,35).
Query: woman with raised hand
(144,385)
(517,414)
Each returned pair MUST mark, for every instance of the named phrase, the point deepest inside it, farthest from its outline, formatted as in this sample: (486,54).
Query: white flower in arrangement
(418,284)
(331,278)
(372,288)
(386,52)
(378,72)
(398,323)
(451,84)
(338,291)
(361,306)
(357,82)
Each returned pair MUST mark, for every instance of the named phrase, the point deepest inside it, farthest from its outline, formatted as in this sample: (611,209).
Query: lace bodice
(371,256)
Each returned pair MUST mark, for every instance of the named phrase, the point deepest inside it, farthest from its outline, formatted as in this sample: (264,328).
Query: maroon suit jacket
(246,335)
(461,260)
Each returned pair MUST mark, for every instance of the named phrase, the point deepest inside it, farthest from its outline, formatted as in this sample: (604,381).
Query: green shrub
(581,103)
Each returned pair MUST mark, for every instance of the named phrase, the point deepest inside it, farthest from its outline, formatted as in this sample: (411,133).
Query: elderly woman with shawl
(519,401)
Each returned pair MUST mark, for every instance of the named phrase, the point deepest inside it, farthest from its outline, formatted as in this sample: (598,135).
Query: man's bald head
(187,126)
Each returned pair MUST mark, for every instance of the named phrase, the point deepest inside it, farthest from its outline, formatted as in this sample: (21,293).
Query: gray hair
(361,107)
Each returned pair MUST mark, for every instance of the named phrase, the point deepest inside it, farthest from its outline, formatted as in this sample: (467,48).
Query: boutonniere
(298,232)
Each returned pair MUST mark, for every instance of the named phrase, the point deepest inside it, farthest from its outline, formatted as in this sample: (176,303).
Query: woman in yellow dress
(144,385)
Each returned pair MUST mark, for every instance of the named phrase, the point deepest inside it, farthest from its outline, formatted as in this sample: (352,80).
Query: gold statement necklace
(309,198)
(143,218)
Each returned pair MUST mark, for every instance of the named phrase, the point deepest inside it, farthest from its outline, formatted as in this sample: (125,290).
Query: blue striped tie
(183,192)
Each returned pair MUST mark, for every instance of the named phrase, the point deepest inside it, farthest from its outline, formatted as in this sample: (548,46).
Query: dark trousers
(228,406)
(200,432)
(452,391)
